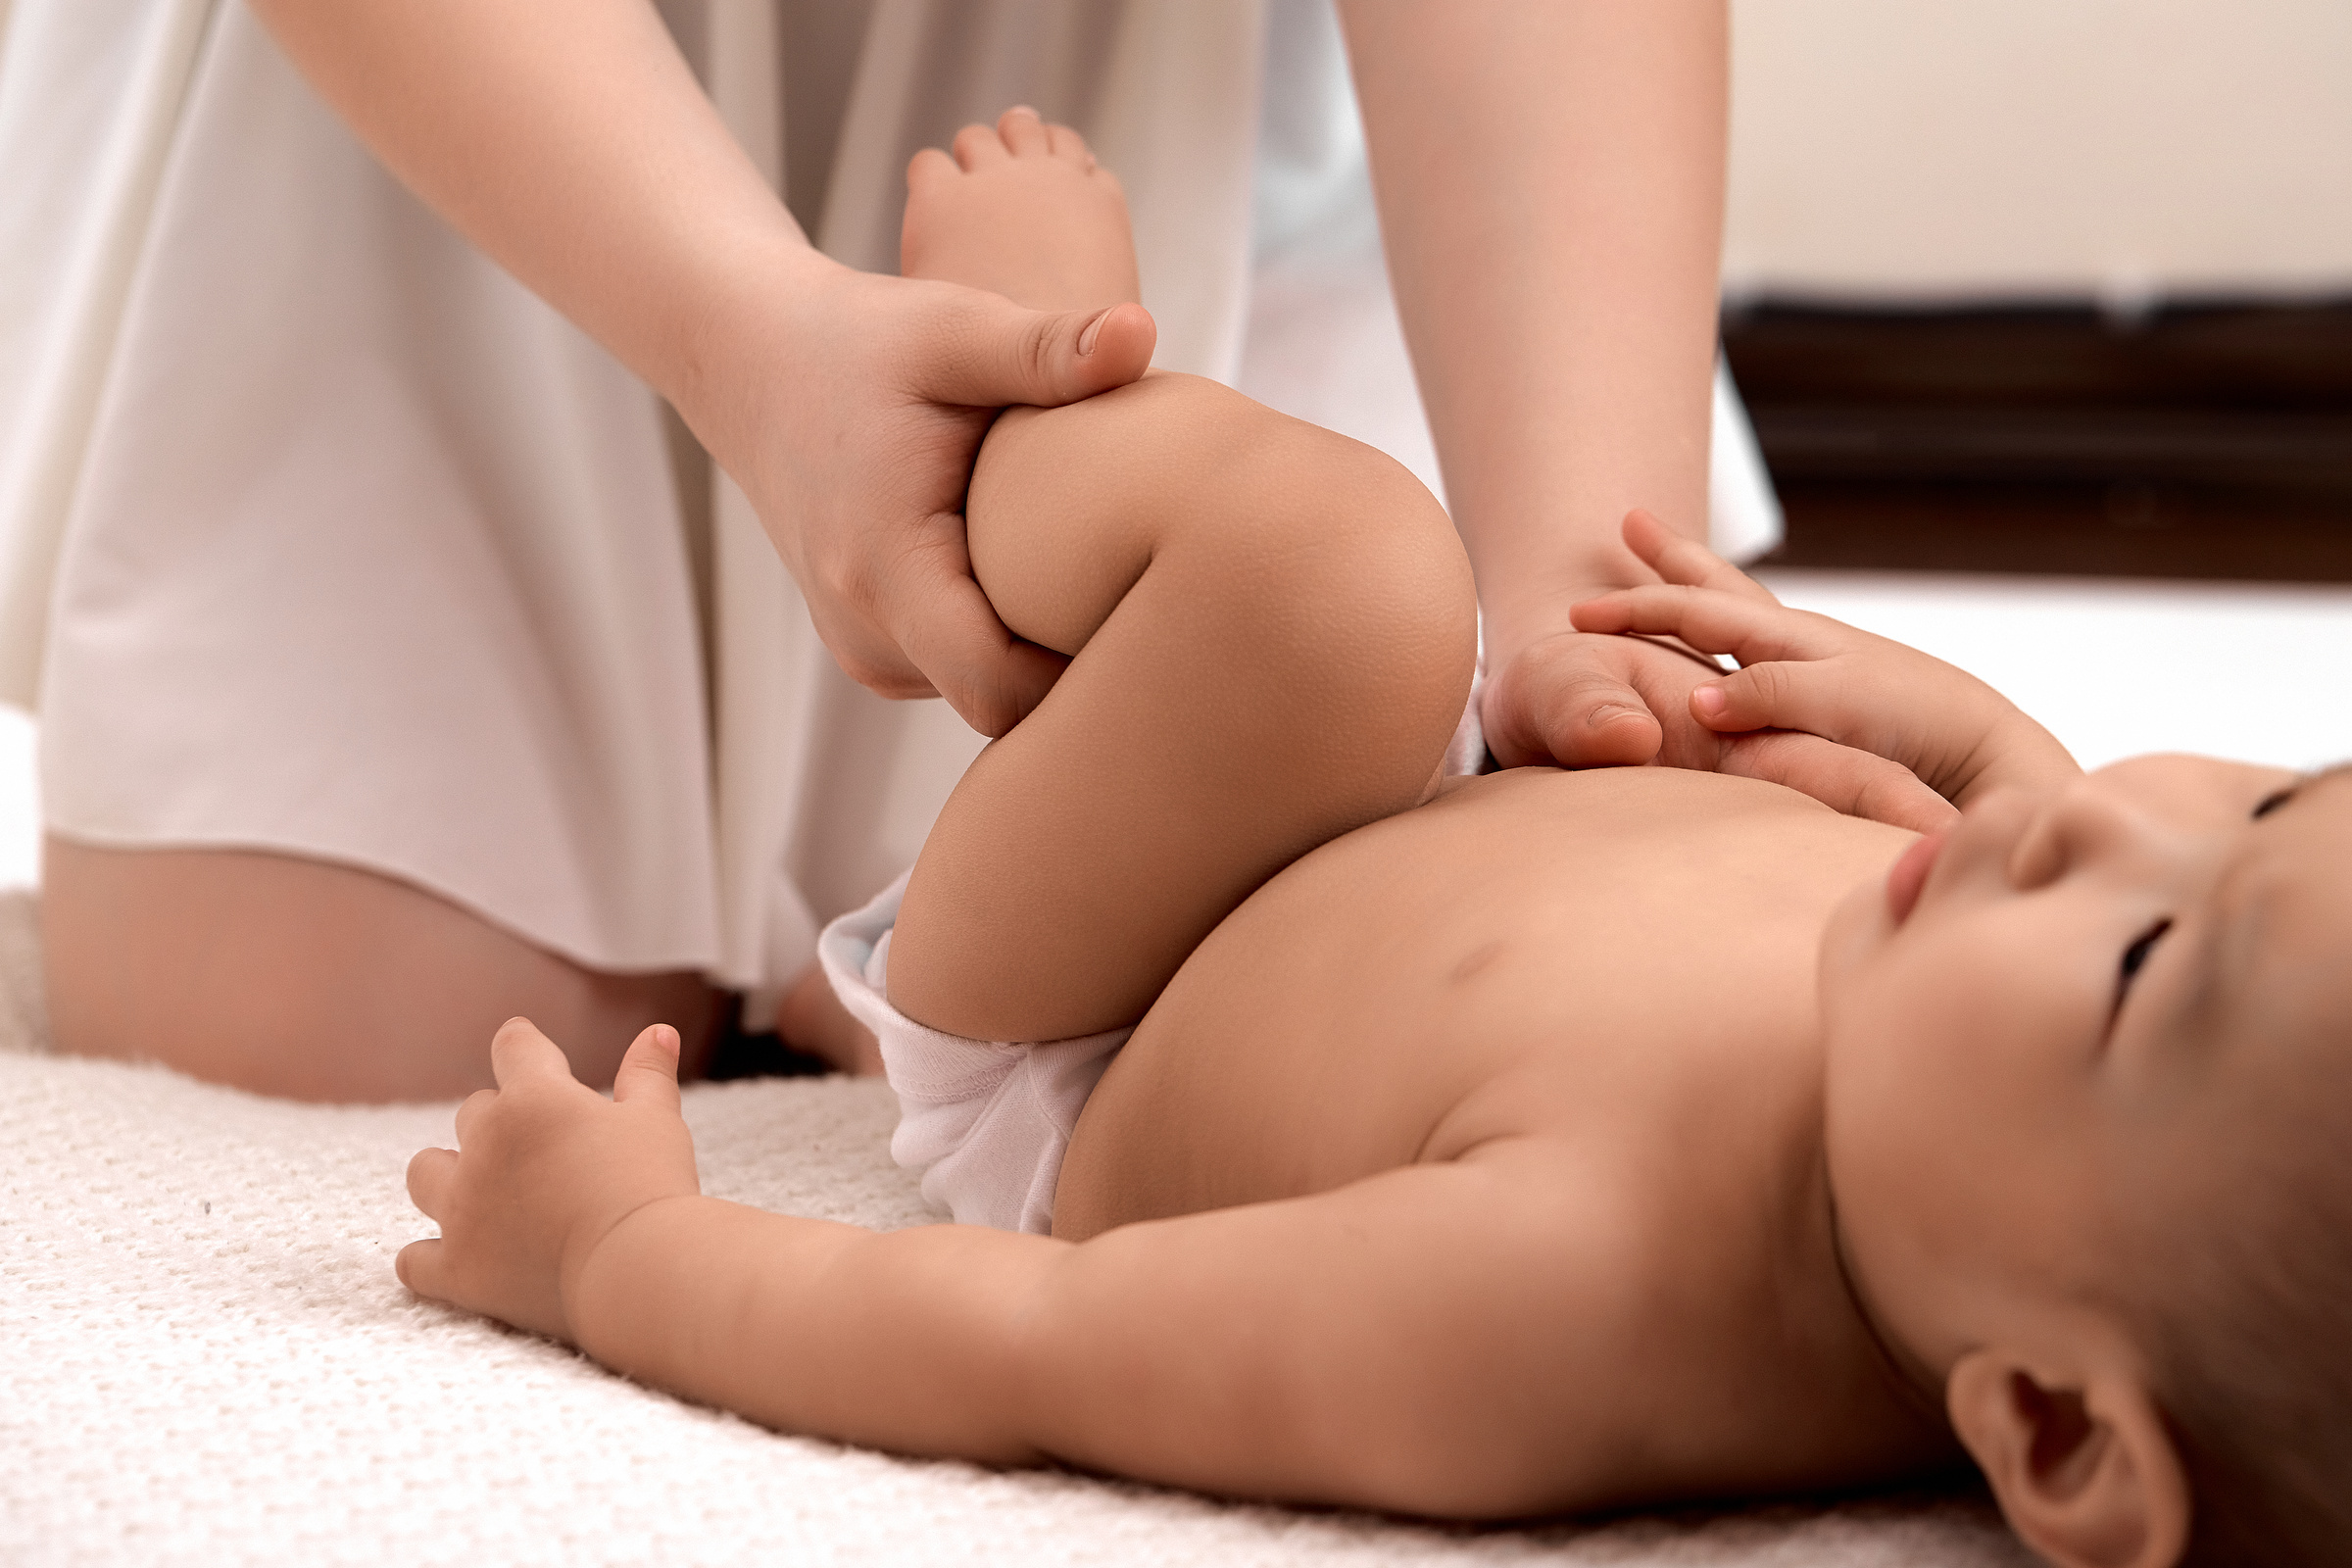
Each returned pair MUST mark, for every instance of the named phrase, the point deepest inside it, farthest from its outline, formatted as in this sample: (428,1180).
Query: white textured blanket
(203,1359)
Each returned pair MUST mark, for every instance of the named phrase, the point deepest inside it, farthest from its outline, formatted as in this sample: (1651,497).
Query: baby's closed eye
(2136,954)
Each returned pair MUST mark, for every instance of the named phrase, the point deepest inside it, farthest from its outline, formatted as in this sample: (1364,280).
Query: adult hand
(570,141)
(1575,699)
(851,410)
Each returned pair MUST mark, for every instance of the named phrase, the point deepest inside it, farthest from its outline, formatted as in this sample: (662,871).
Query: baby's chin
(1854,1034)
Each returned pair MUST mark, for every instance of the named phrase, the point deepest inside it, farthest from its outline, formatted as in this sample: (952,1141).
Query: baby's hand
(545,1167)
(1800,671)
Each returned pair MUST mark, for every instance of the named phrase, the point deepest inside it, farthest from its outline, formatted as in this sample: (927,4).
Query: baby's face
(2069,1007)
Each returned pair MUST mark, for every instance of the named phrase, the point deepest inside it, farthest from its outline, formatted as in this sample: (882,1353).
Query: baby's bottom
(1272,630)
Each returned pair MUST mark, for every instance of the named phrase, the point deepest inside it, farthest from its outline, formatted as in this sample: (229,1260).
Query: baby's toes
(979,147)
(928,169)
(1022,132)
(1070,147)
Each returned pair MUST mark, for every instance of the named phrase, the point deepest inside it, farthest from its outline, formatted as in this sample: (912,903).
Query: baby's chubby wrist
(610,1268)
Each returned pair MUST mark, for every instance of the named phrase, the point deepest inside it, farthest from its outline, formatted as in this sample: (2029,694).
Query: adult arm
(570,141)
(1550,186)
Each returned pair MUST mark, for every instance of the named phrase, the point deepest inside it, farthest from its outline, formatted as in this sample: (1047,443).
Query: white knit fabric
(203,1359)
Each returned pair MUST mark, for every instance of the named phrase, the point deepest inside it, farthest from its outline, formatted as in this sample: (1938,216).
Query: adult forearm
(1551,184)
(568,140)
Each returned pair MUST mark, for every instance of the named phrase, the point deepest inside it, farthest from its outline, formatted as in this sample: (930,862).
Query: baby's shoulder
(1675,1336)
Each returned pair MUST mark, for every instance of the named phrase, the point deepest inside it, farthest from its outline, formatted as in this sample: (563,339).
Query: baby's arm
(1827,681)
(1444,1338)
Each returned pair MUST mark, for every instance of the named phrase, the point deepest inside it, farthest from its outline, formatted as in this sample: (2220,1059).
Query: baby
(1504,1146)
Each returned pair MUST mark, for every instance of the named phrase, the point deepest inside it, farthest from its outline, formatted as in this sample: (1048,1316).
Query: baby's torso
(1617,956)
(1619,965)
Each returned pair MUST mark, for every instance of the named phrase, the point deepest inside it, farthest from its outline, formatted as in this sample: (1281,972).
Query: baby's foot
(1024,210)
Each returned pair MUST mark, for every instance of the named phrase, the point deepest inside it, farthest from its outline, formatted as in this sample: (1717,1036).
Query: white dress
(320,534)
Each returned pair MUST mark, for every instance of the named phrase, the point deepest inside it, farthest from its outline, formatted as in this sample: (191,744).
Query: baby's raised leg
(1272,630)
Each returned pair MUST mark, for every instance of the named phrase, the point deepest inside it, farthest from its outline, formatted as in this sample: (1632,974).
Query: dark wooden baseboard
(2200,441)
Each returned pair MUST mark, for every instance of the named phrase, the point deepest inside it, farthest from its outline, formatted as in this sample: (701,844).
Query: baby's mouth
(1910,873)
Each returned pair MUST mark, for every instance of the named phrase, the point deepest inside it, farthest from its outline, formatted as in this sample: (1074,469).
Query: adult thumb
(1000,354)
(649,1069)
(1553,708)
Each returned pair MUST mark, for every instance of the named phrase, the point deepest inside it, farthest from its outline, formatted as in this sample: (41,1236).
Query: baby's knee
(1323,559)
(1349,569)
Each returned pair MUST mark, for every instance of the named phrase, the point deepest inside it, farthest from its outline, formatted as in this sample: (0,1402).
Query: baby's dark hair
(2250,1332)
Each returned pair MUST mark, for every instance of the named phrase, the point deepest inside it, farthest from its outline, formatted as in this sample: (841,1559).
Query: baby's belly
(1537,950)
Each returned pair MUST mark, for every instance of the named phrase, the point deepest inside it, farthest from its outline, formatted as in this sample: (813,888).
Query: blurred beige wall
(2128,149)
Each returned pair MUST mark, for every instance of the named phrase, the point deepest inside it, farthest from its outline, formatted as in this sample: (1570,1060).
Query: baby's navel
(1476,959)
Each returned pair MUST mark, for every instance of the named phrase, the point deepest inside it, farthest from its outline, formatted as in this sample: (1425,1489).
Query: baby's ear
(2081,1463)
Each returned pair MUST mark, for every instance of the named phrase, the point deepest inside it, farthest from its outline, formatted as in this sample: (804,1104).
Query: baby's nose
(2081,825)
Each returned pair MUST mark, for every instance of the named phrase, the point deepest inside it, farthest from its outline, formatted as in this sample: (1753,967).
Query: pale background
(2115,148)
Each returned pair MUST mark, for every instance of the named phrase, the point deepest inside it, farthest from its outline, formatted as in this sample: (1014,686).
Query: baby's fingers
(1777,695)
(431,1174)
(1856,783)
(518,1050)
(420,1267)
(649,1070)
(1707,618)
(472,1110)
(1852,702)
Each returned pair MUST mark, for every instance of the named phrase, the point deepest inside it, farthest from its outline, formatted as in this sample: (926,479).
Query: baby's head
(2089,1126)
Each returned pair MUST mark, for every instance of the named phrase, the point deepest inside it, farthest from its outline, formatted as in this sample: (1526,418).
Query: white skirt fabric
(320,534)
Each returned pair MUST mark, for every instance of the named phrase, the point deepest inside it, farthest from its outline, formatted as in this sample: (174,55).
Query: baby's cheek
(1901,1064)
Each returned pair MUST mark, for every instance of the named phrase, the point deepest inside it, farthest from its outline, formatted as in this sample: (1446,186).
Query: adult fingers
(1561,705)
(1686,562)
(1856,783)
(951,632)
(1709,619)
(520,1051)
(649,1071)
(431,1172)
(863,650)
(982,351)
